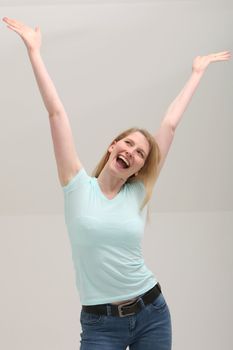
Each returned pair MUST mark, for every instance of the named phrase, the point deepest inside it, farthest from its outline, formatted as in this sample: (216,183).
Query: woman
(122,302)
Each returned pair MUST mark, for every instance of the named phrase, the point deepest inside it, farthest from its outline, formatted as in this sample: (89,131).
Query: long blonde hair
(148,173)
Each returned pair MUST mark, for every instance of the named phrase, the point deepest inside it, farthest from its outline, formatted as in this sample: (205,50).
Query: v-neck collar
(103,195)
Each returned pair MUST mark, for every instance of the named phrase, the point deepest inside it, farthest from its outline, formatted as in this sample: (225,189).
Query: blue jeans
(149,329)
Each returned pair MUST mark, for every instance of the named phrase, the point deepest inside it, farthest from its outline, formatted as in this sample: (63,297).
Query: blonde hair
(148,173)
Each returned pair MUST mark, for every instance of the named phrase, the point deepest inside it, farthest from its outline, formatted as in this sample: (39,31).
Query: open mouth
(122,163)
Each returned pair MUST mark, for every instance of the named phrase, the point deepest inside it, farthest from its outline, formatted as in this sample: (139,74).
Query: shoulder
(77,180)
(138,187)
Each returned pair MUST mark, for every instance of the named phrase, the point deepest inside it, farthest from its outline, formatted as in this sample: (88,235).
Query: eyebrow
(139,147)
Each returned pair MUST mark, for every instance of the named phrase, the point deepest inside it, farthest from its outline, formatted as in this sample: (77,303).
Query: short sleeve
(142,187)
(75,182)
(137,188)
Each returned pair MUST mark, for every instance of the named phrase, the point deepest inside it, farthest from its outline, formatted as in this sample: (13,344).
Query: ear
(136,174)
(112,146)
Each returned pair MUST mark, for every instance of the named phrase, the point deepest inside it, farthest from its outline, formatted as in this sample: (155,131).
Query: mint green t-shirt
(105,236)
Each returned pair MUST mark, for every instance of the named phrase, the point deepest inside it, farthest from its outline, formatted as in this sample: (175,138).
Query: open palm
(200,63)
(30,36)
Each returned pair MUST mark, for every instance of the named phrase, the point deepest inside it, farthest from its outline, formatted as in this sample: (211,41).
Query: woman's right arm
(68,163)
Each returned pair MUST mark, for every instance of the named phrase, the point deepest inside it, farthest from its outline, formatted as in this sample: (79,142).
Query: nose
(129,153)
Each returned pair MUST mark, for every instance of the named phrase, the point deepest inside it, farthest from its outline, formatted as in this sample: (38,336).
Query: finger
(221,59)
(13,21)
(221,53)
(13,24)
(223,56)
(14,29)
(227,56)
(218,56)
(225,53)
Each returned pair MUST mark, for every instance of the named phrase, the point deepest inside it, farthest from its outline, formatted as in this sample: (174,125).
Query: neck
(109,183)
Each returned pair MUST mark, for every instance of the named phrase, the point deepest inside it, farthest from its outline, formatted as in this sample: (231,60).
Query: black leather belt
(125,309)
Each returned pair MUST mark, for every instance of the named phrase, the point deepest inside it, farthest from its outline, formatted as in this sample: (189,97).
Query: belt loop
(141,301)
(109,310)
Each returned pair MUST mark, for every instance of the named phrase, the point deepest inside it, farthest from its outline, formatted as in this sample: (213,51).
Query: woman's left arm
(165,134)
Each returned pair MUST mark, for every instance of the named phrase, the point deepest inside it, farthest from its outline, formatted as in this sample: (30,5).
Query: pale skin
(111,177)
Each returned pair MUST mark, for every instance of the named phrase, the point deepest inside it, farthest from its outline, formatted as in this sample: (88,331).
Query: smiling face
(134,150)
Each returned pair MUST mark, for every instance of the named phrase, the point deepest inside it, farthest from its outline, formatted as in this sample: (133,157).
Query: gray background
(117,64)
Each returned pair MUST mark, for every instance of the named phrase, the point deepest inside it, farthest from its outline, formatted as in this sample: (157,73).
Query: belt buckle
(122,305)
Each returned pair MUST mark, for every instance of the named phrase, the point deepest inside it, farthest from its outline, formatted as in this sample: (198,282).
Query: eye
(127,141)
(141,154)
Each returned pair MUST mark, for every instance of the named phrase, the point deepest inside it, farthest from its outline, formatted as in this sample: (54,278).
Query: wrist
(33,51)
(198,73)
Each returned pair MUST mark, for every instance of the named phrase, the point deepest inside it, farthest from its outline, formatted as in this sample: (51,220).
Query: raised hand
(200,63)
(30,36)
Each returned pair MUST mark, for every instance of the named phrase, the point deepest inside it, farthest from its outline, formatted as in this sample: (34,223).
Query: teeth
(125,160)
